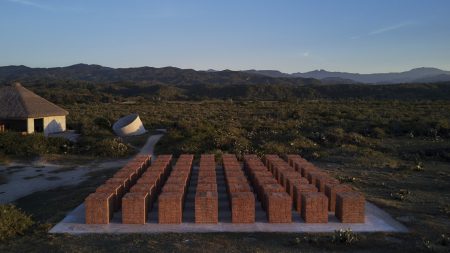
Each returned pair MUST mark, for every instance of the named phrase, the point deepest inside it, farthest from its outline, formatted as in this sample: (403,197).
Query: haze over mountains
(177,76)
(143,75)
(418,75)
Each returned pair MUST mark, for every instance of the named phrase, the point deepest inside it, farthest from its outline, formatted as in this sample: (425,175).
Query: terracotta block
(242,207)
(135,208)
(350,207)
(125,181)
(236,180)
(238,187)
(174,188)
(99,208)
(206,207)
(294,181)
(147,188)
(170,208)
(206,187)
(313,175)
(314,207)
(268,188)
(181,180)
(279,207)
(210,180)
(287,176)
(325,179)
(308,168)
(298,191)
(331,190)
(150,180)
(239,173)
(132,176)
(117,191)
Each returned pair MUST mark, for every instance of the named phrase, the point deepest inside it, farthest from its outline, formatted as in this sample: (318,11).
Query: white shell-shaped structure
(129,126)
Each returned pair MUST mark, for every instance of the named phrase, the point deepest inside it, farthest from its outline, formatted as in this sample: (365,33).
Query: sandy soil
(25,178)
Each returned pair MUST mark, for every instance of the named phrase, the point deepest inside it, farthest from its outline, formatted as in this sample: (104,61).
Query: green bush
(13,222)
(345,236)
(12,143)
(109,147)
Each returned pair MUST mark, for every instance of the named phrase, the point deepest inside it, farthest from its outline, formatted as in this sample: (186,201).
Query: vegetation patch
(13,222)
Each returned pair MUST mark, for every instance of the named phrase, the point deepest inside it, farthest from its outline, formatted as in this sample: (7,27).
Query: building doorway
(39,125)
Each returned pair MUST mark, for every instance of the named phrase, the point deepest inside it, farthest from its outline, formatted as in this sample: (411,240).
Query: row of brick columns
(281,185)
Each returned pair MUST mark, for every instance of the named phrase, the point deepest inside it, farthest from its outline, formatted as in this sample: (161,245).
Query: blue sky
(299,35)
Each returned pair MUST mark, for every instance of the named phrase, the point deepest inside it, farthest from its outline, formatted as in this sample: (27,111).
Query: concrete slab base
(74,223)
(376,221)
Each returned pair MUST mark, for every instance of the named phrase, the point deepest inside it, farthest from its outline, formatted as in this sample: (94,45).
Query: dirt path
(24,179)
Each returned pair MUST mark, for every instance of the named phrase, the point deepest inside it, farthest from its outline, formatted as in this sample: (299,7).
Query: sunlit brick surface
(350,207)
(314,207)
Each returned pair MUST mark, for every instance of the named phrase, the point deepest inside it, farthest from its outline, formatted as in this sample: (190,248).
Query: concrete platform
(376,220)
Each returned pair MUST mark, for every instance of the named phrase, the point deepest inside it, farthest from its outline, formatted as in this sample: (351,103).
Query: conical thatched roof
(17,102)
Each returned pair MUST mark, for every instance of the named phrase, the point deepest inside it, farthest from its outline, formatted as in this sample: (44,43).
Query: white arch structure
(129,126)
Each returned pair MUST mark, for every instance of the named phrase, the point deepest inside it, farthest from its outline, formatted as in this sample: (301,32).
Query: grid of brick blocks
(274,199)
(323,194)
(281,185)
(137,203)
(171,200)
(206,195)
(107,198)
(242,199)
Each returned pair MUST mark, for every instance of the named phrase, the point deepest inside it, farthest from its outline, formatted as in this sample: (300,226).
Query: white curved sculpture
(129,126)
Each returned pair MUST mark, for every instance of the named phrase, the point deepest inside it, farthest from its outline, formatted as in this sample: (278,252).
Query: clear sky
(299,35)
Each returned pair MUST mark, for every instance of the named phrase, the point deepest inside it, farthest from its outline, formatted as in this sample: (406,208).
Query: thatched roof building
(24,111)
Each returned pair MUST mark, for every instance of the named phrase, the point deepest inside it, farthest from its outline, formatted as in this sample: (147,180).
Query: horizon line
(226,69)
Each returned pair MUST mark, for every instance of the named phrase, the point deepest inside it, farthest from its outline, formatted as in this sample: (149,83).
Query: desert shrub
(107,147)
(377,132)
(13,222)
(12,143)
(345,236)
(335,135)
(103,123)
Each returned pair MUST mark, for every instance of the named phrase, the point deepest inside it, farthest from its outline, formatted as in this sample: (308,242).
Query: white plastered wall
(30,125)
(54,124)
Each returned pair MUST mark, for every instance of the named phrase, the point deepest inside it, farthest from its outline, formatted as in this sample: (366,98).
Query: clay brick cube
(289,174)
(350,207)
(307,169)
(239,187)
(210,180)
(206,187)
(150,180)
(170,208)
(331,190)
(124,181)
(325,179)
(236,180)
(116,190)
(299,164)
(173,188)
(314,207)
(279,207)
(99,208)
(206,207)
(150,189)
(126,174)
(298,191)
(313,175)
(135,208)
(268,188)
(294,181)
(242,207)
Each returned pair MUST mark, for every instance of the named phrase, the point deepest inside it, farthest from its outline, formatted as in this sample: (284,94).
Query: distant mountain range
(418,75)
(142,75)
(176,76)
